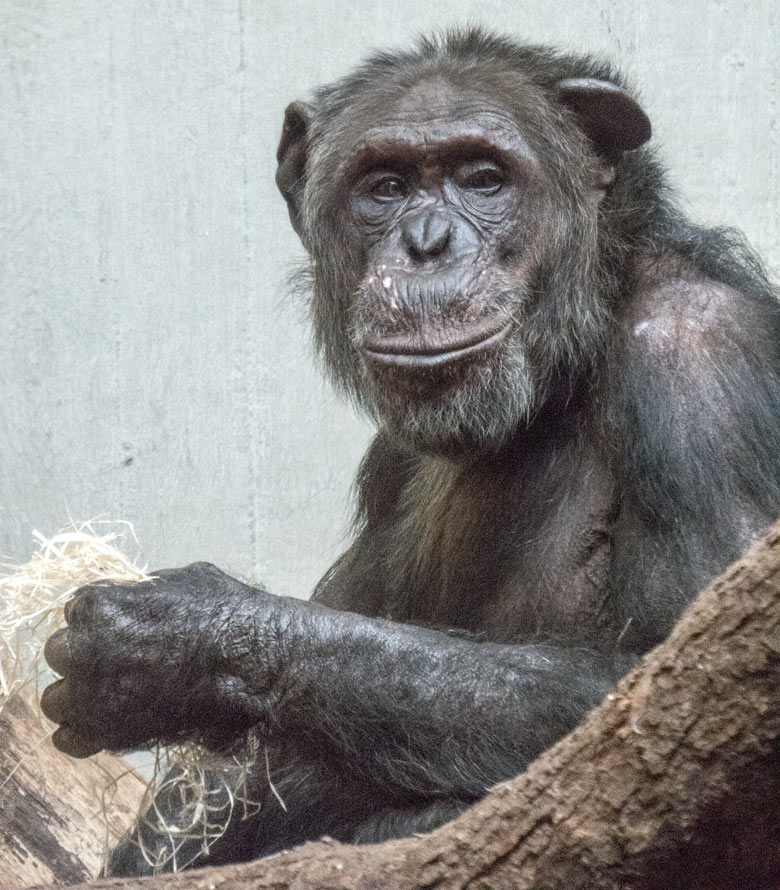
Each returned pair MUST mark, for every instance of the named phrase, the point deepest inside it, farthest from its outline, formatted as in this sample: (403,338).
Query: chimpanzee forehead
(431,113)
(430,101)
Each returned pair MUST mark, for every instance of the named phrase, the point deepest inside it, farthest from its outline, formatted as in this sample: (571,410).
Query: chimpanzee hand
(160,661)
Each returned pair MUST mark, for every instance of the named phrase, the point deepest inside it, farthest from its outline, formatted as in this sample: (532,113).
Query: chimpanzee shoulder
(691,398)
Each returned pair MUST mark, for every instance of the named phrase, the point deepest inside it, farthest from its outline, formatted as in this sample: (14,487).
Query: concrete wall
(153,366)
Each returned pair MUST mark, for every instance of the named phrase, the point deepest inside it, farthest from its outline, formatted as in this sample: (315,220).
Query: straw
(32,601)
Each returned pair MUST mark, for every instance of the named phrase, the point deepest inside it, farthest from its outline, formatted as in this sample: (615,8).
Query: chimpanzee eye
(482,176)
(389,188)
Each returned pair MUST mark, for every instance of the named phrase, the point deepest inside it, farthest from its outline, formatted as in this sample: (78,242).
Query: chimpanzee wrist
(278,653)
(256,660)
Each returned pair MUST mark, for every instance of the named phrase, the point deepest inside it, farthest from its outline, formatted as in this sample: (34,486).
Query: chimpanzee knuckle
(55,701)
(56,651)
(206,573)
(202,566)
(89,604)
(79,603)
(73,743)
(85,600)
(193,579)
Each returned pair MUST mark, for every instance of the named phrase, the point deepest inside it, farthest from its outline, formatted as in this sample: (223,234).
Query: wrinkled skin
(577,395)
(136,636)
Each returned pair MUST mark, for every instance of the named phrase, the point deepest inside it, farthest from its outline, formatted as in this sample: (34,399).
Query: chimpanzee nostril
(426,234)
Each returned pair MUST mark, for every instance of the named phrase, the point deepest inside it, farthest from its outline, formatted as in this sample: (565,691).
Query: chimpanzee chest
(559,588)
(515,556)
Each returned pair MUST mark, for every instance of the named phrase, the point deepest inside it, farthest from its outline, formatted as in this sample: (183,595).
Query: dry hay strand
(32,602)
(33,596)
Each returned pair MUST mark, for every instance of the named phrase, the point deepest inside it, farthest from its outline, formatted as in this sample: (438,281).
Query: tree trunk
(673,782)
(52,825)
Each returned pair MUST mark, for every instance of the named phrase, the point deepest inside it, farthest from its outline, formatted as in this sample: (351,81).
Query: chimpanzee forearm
(375,729)
(421,709)
(418,711)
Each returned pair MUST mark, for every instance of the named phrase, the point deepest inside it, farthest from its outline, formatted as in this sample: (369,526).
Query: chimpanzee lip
(409,353)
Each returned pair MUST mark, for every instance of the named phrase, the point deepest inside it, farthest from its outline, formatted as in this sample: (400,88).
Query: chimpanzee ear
(606,113)
(291,158)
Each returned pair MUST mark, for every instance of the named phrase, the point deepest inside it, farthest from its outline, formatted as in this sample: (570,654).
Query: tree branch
(672,782)
(55,812)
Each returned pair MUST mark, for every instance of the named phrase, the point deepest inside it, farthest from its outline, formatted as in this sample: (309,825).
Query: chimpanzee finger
(55,701)
(57,651)
(71,742)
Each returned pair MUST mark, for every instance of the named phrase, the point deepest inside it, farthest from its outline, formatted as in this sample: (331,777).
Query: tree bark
(672,782)
(52,824)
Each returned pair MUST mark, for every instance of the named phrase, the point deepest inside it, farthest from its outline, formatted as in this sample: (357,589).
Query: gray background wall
(154,367)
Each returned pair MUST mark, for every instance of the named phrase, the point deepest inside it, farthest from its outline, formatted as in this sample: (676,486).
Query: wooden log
(54,824)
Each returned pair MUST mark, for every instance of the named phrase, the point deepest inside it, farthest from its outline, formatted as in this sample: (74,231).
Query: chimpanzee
(577,395)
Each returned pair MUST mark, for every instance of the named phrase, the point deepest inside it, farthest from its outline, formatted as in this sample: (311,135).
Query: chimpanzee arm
(199,654)
(695,416)
(430,712)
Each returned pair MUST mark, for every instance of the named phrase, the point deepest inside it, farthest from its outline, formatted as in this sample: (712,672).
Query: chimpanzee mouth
(422,353)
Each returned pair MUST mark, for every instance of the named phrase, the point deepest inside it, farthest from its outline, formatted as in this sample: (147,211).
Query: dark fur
(558,511)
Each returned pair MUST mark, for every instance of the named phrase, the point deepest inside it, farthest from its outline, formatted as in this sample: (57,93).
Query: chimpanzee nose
(426,234)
